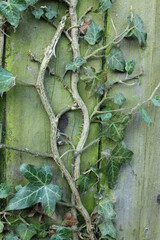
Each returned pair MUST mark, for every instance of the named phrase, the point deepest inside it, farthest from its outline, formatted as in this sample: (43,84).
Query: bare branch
(53,24)
(49,52)
(137,76)
(115,40)
(26,150)
(85,13)
(88,146)
(146,101)
(66,109)
(86,121)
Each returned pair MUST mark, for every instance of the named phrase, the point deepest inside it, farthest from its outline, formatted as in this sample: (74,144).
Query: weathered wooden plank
(26,122)
(1,99)
(138,186)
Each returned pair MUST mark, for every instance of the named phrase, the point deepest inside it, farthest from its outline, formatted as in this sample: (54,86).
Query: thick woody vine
(110,113)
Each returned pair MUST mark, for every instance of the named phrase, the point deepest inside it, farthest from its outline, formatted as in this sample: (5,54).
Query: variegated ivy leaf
(119,156)
(73,66)
(83,182)
(39,190)
(38,13)
(50,12)
(94,34)
(145,116)
(115,60)
(119,99)
(130,66)
(104,5)
(11,10)
(62,233)
(156,101)
(114,128)
(7,81)
(106,209)
(31,2)
(26,232)
(107,229)
(11,236)
(138,31)
(5,189)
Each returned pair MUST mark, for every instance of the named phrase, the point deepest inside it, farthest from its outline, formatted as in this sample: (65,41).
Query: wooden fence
(26,123)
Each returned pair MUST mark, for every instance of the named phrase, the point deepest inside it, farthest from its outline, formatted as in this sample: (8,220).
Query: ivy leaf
(106,209)
(105,116)
(145,116)
(31,2)
(83,182)
(130,67)
(156,101)
(50,12)
(11,237)
(138,31)
(119,156)
(5,189)
(11,10)
(119,99)
(1,227)
(38,13)
(115,60)
(114,128)
(107,229)
(39,190)
(94,34)
(73,66)
(7,81)
(104,5)
(62,233)
(26,232)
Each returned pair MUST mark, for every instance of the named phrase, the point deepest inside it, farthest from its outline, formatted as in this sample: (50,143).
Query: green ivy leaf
(7,81)
(31,2)
(73,66)
(1,227)
(130,67)
(115,60)
(26,232)
(104,5)
(62,233)
(11,237)
(138,31)
(50,12)
(18,187)
(114,128)
(11,10)
(39,190)
(156,101)
(119,156)
(41,229)
(38,13)
(145,116)
(106,209)
(5,189)
(83,182)
(119,99)
(94,34)
(105,116)
(107,229)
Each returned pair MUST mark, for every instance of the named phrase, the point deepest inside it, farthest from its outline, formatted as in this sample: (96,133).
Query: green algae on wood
(138,185)
(27,124)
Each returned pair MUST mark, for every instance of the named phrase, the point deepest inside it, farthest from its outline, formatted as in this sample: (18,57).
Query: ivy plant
(39,196)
